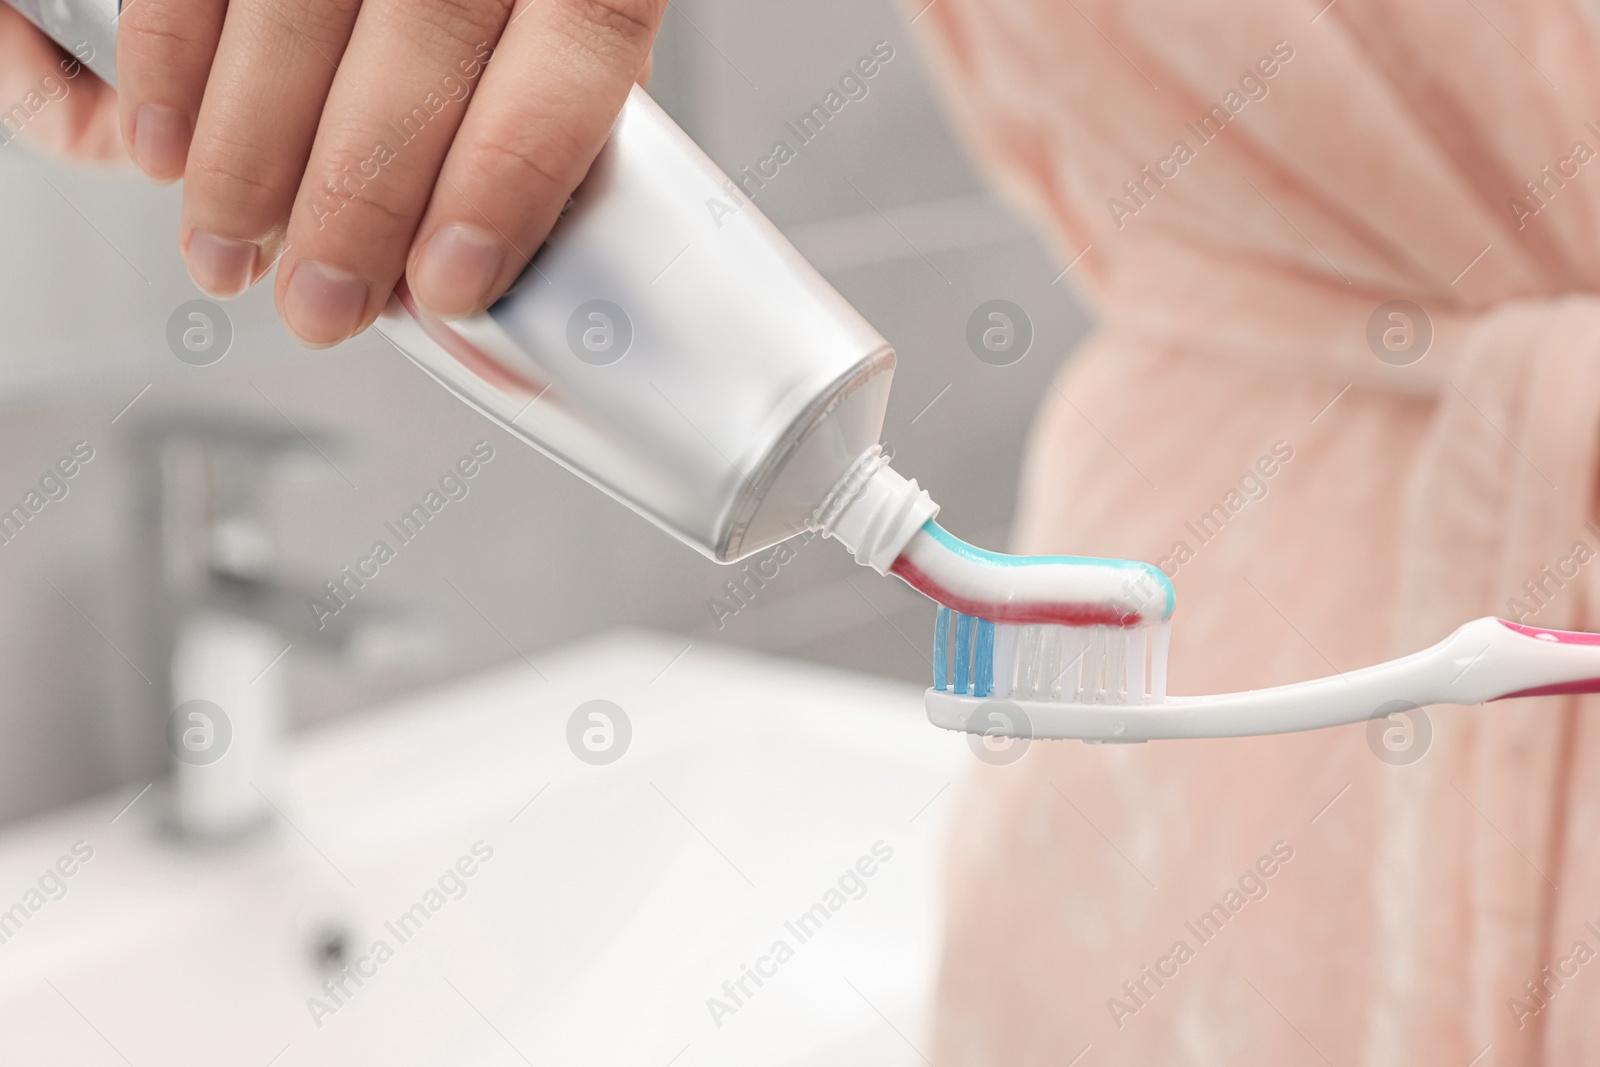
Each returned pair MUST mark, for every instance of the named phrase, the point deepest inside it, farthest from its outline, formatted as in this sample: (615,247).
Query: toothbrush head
(1099,663)
(1053,631)
(1067,629)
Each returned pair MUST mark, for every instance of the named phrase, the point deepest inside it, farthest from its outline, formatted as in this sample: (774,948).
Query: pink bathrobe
(1248,183)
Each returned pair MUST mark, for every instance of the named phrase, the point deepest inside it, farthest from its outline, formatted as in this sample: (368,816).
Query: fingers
(385,132)
(338,134)
(275,64)
(545,106)
(164,50)
(52,99)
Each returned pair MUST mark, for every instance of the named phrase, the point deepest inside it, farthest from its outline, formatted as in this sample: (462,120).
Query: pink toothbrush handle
(1589,643)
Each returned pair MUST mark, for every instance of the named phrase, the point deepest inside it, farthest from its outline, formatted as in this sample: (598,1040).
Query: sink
(499,900)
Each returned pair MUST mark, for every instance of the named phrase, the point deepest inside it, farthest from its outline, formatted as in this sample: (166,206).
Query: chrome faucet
(215,611)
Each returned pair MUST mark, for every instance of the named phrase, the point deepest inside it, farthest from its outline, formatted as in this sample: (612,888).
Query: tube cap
(874,511)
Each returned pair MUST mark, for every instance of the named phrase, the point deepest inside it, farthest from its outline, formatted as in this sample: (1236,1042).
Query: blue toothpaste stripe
(999,559)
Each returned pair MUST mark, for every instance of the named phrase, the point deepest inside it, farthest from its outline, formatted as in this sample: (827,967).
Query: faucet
(214,610)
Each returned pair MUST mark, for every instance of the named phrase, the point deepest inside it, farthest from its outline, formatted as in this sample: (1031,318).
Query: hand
(363,141)
(51,98)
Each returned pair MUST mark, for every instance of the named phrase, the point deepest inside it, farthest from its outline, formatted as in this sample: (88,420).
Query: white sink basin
(612,907)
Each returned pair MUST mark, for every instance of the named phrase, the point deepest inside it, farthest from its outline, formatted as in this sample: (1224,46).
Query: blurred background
(335,443)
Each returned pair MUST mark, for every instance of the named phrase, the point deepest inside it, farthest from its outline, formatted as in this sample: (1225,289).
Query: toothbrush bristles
(1060,664)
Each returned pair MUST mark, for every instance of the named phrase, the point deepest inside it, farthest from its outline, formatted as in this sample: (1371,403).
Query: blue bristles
(973,658)
(963,671)
(983,660)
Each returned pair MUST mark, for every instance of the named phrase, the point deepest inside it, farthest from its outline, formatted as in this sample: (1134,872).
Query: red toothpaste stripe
(1014,614)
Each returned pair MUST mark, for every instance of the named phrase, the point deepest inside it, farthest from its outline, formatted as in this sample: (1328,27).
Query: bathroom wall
(883,200)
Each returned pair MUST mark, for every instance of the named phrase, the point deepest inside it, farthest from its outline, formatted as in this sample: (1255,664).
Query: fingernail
(160,141)
(456,269)
(322,305)
(220,265)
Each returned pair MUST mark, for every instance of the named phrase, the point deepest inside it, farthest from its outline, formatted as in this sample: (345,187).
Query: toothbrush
(1086,698)
(1075,647)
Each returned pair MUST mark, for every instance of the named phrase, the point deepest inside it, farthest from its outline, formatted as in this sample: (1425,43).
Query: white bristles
(1133,678)
(1158,663)
(1092,691)
(1005,659)
(1107,665)
(1028,647)
(1116,666)
(1049,682)
(1072,649)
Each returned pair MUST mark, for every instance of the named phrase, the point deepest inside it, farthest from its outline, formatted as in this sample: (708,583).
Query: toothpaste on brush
(887,521)
(1021,590)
